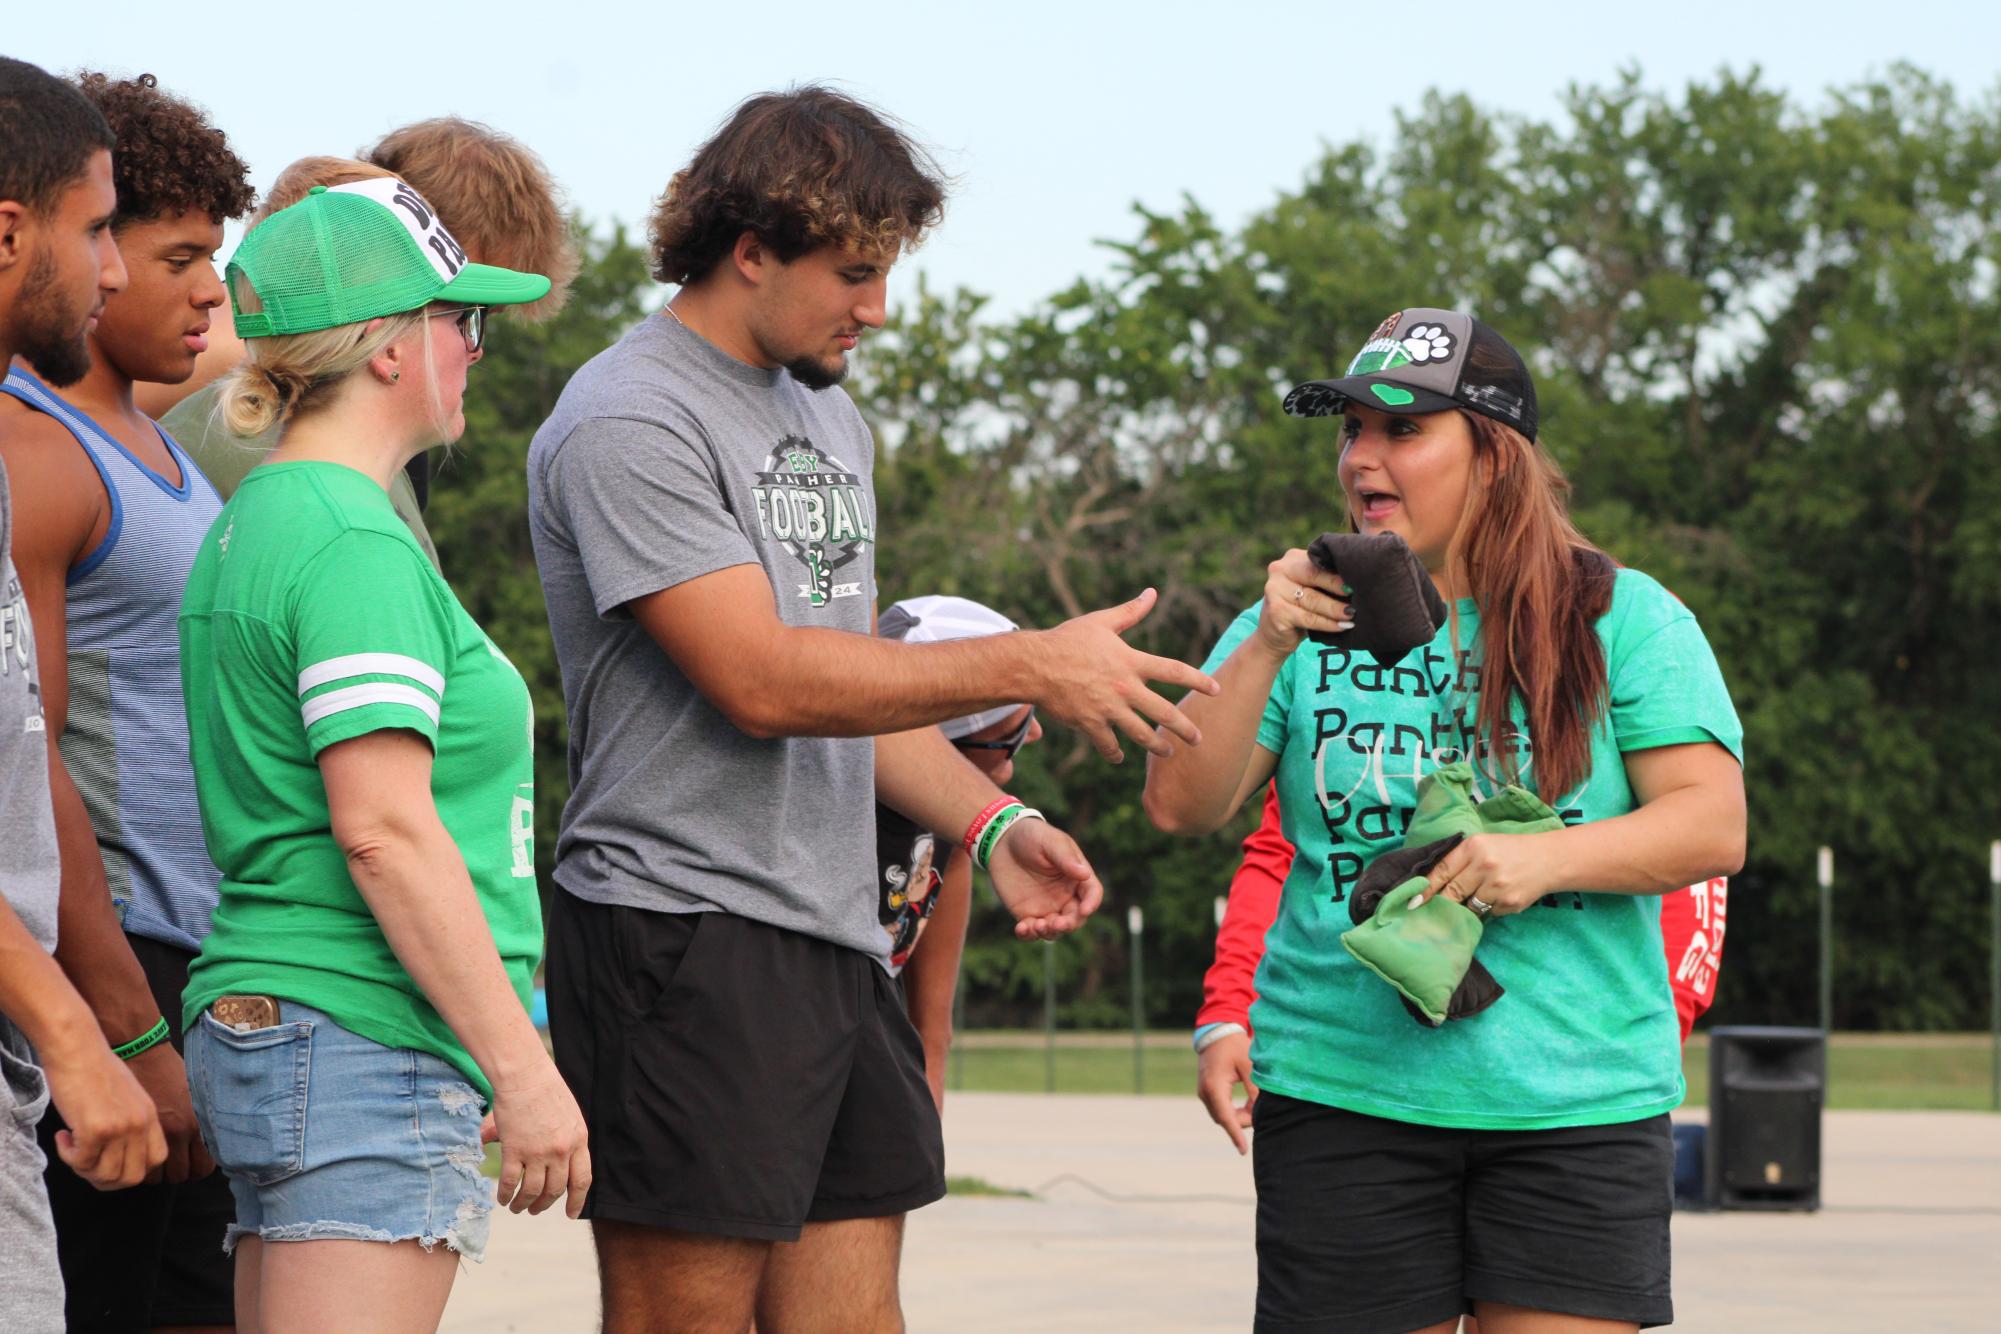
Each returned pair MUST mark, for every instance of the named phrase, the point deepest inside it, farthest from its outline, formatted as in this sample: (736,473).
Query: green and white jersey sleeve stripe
(356,680)
(371,635)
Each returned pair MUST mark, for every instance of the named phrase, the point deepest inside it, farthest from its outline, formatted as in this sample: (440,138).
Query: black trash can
(1691,1188)
(1767,1087)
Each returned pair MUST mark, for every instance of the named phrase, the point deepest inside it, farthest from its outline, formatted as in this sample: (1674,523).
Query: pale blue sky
(1056,117)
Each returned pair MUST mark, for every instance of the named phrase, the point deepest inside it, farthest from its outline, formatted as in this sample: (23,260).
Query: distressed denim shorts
(327,1136)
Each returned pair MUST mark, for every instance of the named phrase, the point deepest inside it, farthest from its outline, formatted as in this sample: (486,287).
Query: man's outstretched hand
(1044,879)
(1096,682)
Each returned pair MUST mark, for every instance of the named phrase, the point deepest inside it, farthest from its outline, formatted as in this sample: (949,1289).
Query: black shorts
(737,1078)
(151,1255)
(1369,1226)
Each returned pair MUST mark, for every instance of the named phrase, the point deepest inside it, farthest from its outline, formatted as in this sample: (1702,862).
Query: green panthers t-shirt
(311,616)
(1587,1033)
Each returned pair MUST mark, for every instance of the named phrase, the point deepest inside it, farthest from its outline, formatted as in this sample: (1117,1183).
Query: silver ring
(1479,905)
(1298,593)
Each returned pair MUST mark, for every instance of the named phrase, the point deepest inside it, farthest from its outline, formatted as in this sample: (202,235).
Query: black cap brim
(1330,398)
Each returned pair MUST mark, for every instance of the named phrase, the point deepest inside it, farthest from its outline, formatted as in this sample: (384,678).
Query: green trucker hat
(355,252)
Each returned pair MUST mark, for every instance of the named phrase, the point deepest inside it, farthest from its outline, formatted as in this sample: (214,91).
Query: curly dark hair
(800,169)
(169,159)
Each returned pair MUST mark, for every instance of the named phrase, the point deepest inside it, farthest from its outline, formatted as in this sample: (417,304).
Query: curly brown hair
(169,159)
(801,169)
(494,194)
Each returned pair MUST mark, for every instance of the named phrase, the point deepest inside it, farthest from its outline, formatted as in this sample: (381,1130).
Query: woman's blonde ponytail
(286,375)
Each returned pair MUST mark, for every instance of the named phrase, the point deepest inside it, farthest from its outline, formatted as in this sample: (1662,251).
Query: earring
(395,376)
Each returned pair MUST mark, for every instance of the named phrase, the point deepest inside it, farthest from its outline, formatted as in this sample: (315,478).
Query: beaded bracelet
(994,832)
(980,821)
(146,1041)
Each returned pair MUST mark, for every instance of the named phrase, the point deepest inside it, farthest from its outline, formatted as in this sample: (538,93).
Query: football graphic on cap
(1427,343)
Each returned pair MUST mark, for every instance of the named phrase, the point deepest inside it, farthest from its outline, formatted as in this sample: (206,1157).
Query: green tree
(1766,342)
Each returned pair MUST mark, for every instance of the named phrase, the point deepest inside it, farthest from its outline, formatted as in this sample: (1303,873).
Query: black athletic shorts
(737,1078)
(151,1255)
(1368,1226)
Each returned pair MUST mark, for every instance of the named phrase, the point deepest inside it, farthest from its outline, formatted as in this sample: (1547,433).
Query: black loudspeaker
(1766,1090)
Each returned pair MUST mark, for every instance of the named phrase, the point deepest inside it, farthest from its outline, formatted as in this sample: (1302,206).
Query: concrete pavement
(1143,1221)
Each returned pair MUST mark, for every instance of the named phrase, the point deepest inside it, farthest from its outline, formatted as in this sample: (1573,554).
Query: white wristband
(1014,818)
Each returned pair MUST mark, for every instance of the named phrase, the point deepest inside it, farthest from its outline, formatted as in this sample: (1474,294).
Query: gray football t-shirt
(665,460)
(32,1295)
(30,874)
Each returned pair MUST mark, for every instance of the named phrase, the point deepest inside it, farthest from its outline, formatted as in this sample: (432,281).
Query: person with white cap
(920,897)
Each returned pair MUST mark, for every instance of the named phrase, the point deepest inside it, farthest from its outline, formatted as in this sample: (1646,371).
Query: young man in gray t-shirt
(57,263)
(704,519)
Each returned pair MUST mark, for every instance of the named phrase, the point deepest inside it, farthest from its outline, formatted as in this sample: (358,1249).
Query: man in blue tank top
(103,554)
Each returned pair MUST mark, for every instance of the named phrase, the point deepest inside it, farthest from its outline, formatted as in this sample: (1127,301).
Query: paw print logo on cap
(1428,343)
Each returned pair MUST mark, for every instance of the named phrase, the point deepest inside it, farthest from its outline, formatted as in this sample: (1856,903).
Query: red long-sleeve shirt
(1692,924)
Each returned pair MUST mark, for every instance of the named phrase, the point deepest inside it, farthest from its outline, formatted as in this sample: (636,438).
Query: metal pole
(1994,964)
(1136,925)
(1049,1016)
(1825,875)
(958,1047)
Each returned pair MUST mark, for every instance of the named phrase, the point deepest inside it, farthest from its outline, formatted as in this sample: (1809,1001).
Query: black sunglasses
(471,322)
(1011,743)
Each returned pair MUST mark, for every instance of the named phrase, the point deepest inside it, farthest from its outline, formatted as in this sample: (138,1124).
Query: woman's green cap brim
(485,285)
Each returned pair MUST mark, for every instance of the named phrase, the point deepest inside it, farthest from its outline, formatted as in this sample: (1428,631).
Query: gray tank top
(29,875)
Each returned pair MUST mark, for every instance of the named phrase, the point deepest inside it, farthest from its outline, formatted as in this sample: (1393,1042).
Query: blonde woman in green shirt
(363,757)
(501,204)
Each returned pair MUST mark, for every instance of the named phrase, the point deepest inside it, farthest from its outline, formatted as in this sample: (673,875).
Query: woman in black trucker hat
(1506,1152)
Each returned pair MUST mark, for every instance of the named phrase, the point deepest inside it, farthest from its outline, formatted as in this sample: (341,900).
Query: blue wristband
(1210,1034)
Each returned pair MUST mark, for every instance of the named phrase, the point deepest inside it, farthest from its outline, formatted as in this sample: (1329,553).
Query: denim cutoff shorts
(327,1136)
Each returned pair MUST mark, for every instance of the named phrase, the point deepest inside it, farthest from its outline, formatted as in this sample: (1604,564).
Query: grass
(981,1186)
(1947,1071)
(1887,1071)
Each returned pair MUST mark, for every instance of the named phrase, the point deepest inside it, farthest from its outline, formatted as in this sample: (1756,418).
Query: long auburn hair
(1540,587)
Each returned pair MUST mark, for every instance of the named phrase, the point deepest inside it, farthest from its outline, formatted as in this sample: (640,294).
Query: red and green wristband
(983,819)
(146,1041)
(988,828)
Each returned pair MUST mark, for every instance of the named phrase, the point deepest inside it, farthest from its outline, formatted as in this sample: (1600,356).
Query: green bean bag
(1421,950)
(1426,952)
